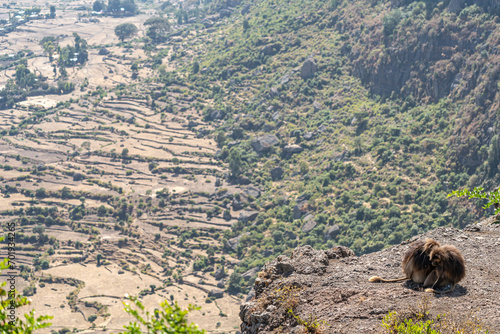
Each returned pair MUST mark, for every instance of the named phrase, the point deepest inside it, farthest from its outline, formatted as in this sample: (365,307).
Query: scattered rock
(455,6)
(308,69)
(316,106)
(309,135)
(243,180)
(219,274)
(248,216)
(284,79)
(299,210)
(216,293)
(217,114)
(233,143)
(251,273)
(289,150)
(332,232)
(264,143)
(225,12)
(277,173)
(233,243)
(252,191)
(309,223)
(103,51)
(271,49)
(208,24)
(237,205)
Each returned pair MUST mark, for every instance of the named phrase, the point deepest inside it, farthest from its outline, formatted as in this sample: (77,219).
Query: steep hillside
(354,119)
(330,290)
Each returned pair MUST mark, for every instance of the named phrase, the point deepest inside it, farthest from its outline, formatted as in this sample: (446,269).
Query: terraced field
(112,191)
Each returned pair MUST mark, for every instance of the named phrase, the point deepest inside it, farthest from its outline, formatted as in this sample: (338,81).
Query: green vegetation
(169,319)
(10,300)
(417,320)
(492,197)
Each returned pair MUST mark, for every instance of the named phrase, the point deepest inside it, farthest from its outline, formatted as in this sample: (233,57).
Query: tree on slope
(125,30)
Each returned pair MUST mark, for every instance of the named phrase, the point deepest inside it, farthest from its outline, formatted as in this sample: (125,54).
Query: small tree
(153,287)
(39,230)
(52,11)
(246,25)
(170,319)
(98,258)
(125,30)
(49,48)
(98,6)
(235,162)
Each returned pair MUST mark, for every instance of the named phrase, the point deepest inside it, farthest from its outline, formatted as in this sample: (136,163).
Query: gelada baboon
(448,268)
(416,262)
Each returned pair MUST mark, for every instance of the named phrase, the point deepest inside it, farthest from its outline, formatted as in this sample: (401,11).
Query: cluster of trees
(157,29)
(115,6)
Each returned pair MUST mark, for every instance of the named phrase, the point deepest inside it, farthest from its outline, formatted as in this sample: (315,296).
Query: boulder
(237,205)
(268,252)
(309,223)
(216,293)
(264,143)
(308,69)
(233,243)
(233,143)
(332,232)
(455,6)
(252,191)
(217,114)
(316,106)
(219,274)
(271,49)
(250,273)
(277,173)
(103,51)
(289,150)
(308,135)
(299,210)
(248,216)
(225,12)
(243,180)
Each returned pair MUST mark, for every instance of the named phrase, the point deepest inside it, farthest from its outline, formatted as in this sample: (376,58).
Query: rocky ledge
(331,288)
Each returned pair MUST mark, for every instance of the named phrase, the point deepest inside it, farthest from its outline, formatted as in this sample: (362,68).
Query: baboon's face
(435,260)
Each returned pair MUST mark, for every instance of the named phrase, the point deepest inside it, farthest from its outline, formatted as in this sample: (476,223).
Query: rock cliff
(331,289)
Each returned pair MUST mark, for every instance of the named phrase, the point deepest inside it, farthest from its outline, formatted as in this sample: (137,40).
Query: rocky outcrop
(264,143)
(308,69)
(292,149)
(248,216)
(277,173)
(332,286)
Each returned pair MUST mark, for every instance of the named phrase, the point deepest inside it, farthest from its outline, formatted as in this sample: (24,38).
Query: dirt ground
(336,293)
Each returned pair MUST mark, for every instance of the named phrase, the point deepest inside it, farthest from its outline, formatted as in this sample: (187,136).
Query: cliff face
(331,289)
